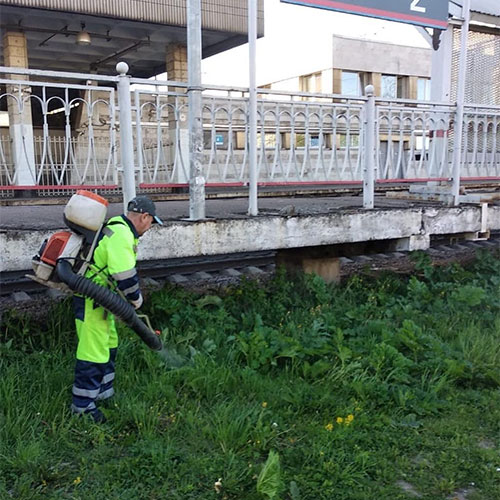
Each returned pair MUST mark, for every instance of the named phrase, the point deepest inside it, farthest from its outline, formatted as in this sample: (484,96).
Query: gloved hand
(137,303)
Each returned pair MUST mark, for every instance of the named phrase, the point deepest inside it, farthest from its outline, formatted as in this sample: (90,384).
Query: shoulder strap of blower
(105,231)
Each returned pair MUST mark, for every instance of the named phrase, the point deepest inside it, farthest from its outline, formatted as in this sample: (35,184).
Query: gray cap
(143,205)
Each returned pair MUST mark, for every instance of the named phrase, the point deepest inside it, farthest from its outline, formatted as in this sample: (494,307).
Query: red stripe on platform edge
(60,188)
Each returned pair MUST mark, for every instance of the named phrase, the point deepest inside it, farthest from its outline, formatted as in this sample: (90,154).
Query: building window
(310,83)
(389,88)
(269,140)
(424,89)
(351,83)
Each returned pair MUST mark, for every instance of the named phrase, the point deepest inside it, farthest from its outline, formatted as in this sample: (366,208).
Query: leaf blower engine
(64,258)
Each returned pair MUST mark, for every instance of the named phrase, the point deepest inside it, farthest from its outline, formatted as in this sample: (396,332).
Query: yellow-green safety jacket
(115,257)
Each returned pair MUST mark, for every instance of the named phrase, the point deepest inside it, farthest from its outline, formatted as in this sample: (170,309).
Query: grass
(376,389)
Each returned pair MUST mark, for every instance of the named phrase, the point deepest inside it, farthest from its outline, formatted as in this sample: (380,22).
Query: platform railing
(63,132)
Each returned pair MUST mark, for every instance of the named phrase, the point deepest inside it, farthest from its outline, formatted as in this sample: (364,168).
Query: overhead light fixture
(82,37)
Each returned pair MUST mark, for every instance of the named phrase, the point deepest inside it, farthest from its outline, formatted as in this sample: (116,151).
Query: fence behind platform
(60,131)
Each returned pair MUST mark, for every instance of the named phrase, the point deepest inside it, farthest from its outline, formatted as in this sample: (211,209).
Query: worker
(113,265)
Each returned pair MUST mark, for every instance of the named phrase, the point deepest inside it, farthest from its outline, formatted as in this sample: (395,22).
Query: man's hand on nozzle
(137,303)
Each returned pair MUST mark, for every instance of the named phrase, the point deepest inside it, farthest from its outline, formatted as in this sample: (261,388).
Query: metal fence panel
(301,137)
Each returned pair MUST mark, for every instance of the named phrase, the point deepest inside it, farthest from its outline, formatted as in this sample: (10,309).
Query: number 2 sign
(430,13)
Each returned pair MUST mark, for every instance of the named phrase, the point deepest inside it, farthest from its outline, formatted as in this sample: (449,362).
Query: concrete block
(413,242)
(434,251)
(381,256)
(21,297)
(56,294)
(202,275)
(253,271)
(473,244)
(177,279)
(362,258)
(150,283)
(461,247)
(489,244)
(345,260)
(232,273)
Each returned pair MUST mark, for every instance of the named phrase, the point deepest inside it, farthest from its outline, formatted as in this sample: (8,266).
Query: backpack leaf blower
(64,258)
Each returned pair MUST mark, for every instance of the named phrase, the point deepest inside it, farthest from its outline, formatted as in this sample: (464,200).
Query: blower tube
(109,300)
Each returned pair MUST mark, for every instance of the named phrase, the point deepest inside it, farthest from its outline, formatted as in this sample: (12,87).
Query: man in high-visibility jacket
(114,262)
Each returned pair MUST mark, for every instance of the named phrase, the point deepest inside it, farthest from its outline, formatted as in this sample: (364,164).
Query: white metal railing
(73,136)
(73,141)
(413,140)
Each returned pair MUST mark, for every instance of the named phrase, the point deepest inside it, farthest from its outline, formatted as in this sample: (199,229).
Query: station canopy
(137,32)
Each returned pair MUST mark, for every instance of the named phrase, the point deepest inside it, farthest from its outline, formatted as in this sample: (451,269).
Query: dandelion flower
(340,420)
(264,404)
(329,427)
(350,418)
(78,480)
(218,485)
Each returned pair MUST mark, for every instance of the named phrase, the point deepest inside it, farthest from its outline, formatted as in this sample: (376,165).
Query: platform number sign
(429,13)
(416,7)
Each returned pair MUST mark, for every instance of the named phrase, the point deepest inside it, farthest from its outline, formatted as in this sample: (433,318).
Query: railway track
(175,270)
(18,290)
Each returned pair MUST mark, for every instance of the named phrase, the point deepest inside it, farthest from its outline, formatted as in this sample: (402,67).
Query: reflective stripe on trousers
(93,382)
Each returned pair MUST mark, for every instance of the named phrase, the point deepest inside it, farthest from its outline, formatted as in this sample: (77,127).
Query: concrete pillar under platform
(304,260)
(15,54)
(177,70)
(412,243)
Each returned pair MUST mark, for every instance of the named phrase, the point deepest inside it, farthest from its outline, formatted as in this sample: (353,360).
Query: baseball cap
(143,205)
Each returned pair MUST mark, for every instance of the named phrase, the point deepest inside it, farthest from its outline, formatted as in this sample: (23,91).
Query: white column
(441,92)
(19,109)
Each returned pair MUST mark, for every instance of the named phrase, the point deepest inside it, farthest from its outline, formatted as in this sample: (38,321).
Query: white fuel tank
(86,209)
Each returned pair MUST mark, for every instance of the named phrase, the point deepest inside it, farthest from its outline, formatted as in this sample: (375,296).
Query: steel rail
(16,281)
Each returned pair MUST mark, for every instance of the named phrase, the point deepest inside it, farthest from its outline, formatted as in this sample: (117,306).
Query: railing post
(252,109)
(369,157)
(126,134)
(196,178)
(459,120)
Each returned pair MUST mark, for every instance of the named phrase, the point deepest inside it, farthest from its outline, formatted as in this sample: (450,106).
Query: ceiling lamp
(82,37)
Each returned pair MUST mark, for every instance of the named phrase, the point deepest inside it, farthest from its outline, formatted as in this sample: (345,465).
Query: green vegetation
(383,388)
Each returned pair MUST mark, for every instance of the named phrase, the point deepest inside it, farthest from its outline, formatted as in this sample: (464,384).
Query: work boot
(98,416)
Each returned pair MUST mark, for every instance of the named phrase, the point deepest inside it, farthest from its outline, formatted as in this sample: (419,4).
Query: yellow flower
(350,418)
(78,480)
(340,420)
(264,404)
(329,427)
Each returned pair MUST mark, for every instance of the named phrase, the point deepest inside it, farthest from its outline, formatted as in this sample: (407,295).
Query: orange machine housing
(55,246)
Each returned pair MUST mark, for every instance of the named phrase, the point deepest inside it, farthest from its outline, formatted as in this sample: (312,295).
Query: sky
(294,31)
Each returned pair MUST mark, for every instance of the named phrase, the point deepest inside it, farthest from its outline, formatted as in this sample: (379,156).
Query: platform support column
(178,131)
(19,110)
(252,108)
(196,177)
(126,134)
(459,120)
(369,150)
